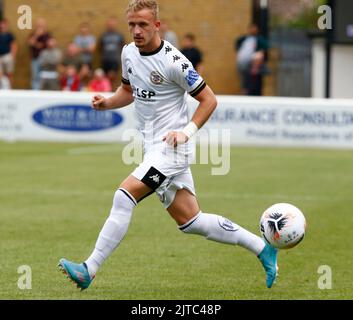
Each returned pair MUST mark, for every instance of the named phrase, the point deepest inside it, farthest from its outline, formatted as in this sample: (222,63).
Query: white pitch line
(93,150)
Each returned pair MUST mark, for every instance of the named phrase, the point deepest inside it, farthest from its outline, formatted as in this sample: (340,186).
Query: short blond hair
(138,5)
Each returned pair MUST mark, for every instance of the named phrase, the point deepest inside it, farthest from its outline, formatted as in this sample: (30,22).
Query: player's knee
(123,200)
(195,226)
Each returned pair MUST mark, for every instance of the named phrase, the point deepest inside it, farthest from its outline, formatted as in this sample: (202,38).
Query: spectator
(71,81)
(86,43)
(191,52)
(85,75)
(72,57)
(100,83)
(112,43)
(251,49)
(168,34)
(8,51)
(4,82)
(37,42)
(49,61)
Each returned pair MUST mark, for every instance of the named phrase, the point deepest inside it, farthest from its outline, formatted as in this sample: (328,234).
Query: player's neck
(152,47)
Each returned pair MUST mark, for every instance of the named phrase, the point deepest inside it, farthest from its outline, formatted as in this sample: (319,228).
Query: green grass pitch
(54,199)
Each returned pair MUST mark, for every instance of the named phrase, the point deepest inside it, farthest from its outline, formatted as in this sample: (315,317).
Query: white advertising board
(263,121)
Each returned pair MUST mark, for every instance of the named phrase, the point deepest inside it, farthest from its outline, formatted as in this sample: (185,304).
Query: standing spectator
(37,42)
(86,42)
(8,51)
(70,81)
(112,43)
(168,34)
(100,83)
(251,49)
(190,51)
(49,61)
(4,82)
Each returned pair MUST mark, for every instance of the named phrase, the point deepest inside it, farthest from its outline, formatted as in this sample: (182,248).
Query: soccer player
(157,77)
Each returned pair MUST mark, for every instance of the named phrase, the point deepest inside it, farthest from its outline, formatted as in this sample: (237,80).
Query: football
(283,225)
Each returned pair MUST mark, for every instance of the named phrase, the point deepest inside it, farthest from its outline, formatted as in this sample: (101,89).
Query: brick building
(216,24)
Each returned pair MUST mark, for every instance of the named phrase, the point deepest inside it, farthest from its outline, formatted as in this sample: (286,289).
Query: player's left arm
(208,103)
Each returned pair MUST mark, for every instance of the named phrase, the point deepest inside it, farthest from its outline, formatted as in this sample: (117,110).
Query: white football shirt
(161,81)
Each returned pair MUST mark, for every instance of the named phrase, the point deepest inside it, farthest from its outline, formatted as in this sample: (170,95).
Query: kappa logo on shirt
(184,66)
(176,58)
(155,178)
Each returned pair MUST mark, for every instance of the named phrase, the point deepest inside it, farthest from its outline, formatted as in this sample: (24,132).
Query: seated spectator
(86,43)
(49,61)
(112,43)
(70,81)
(72,57)
(190,51)
(100,83)
(85,75)
(8,51)
(4,82)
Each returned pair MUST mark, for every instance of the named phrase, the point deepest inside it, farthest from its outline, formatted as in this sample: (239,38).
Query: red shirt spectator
(71,81)
(100,83)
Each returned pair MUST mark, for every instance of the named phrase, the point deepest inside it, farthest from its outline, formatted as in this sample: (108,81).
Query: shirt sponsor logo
(192,77)
(143,94)
(76,118)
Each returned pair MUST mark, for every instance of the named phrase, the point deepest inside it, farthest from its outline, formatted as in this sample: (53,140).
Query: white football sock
(219,229)
(113,230)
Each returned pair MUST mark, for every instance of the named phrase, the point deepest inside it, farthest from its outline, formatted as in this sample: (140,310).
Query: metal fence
(294,67)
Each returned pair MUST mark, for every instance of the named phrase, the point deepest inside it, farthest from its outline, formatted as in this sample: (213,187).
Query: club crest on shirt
(156,77)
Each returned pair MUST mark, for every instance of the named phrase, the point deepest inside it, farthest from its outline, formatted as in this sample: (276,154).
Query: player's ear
(157,24)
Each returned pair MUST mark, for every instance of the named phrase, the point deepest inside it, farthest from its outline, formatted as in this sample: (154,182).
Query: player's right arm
(122,98)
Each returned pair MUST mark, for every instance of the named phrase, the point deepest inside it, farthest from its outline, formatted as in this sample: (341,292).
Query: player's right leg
(114,230)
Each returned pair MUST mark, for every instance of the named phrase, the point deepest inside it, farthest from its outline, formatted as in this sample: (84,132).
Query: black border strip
(124,81)
(189,224)
(153,52)
(195,92)
(122,190)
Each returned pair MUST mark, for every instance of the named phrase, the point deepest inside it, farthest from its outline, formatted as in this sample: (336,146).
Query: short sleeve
(184,74)
(125,76)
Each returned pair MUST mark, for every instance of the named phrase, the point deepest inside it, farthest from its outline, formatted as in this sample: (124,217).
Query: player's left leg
(191,220)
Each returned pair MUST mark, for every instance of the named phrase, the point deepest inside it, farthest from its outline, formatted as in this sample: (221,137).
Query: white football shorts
(165,171)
